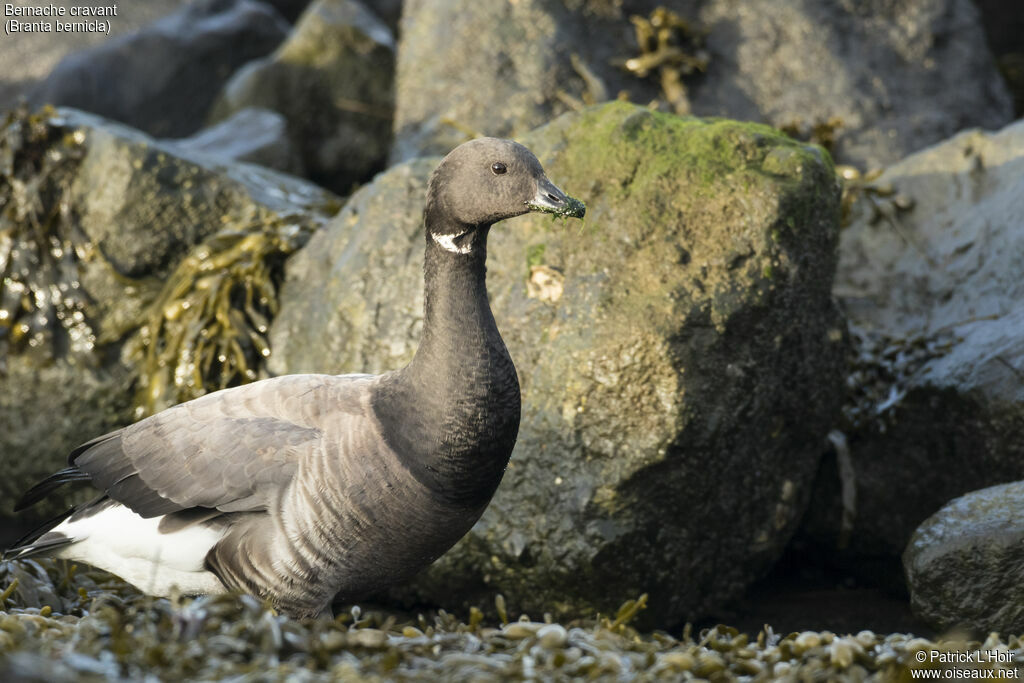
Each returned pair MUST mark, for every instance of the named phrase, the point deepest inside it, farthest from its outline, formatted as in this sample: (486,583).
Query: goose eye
(498,168)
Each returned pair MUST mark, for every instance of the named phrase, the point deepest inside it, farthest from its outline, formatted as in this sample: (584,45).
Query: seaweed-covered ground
(60,622)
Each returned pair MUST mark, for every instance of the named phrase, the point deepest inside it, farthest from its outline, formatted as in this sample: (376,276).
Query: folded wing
(232,450)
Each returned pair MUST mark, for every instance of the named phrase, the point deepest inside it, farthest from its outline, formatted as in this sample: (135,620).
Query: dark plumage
(301,488)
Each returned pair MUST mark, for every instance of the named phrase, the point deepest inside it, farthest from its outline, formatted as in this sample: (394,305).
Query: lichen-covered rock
(896,76)
(680,357)
(936,306)
(964,564)
(163,78)
(332,81)
(94,217)
(259,136)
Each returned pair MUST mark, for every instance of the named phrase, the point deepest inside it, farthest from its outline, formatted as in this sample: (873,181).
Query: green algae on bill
(574,208)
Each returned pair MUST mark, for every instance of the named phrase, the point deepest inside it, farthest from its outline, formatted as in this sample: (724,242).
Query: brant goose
(305,488)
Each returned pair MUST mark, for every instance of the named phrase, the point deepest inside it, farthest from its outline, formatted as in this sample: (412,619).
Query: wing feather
(232,450)
(46,486)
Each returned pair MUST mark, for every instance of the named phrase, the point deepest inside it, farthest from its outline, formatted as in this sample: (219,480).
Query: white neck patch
(447,243)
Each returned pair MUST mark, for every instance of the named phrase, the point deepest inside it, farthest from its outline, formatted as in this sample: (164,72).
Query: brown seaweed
(883,201)
(671,49)
(42,305)
(207,330)
(823,132)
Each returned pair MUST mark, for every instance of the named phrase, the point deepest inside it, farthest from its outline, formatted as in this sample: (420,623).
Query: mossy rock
(679,355)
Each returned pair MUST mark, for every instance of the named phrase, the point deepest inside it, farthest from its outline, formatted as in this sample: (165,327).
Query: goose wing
(232,450)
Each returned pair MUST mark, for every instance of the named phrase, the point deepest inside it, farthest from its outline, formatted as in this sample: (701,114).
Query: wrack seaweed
(42,305)
(208,328)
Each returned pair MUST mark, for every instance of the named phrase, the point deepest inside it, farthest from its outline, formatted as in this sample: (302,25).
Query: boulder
(163,78)
(679,354)
(259,136)
(115,213)
(898,76)
(936,307)
(502,68)
(964,564)
(29,57)
(332,82)
(892,77)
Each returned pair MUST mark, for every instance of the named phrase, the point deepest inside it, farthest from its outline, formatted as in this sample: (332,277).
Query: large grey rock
(964,564)
(332,81)
(27,58)
(899,76)
(143,203)
(679,355)
(96,217)
(936,304)
(163,78)
(259,136)
(499,68)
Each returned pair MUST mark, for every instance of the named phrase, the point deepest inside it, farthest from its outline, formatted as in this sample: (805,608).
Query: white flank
(123,543)
(447,242)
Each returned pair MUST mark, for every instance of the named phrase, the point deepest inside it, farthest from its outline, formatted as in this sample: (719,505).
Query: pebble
(519,630)
(333,641)
(369,638)
(679,661)
(842,651)
(552,636)
(806,641)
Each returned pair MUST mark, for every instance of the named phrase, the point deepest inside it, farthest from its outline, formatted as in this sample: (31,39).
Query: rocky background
(777,375)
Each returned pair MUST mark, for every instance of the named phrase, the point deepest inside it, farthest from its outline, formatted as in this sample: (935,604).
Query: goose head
(484,181)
